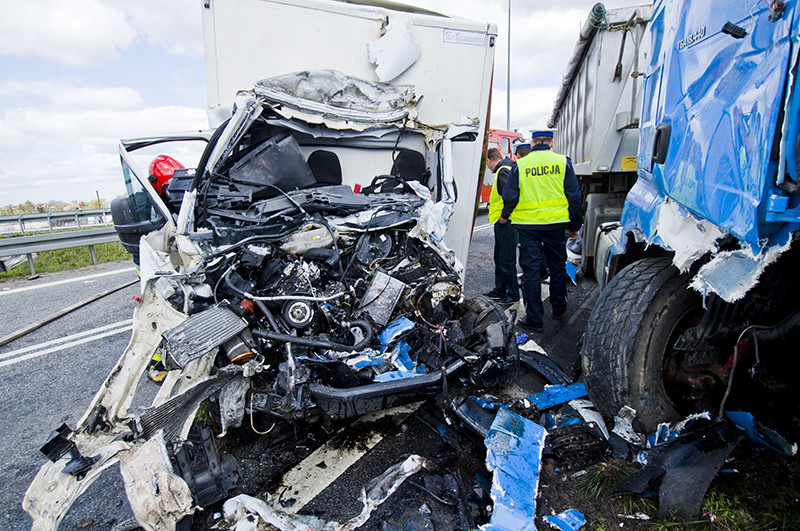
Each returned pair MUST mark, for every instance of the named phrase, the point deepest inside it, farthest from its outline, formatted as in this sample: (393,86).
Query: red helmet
(162,168)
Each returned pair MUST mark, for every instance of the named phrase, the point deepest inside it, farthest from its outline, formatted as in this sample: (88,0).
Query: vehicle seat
(326,167)
(409,165)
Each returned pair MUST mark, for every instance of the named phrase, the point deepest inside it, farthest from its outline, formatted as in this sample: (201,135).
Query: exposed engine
(352,312)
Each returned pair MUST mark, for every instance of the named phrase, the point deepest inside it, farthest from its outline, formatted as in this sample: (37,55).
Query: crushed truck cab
(307,267)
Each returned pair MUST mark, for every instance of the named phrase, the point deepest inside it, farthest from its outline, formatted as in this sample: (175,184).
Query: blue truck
(700,310)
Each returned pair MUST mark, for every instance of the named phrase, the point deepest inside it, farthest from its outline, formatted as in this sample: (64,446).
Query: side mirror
(127,224)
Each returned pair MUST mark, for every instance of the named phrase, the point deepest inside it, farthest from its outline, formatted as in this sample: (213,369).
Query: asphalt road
(50,375)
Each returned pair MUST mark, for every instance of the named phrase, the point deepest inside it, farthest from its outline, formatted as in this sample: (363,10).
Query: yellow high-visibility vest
(495,199)
(541,189)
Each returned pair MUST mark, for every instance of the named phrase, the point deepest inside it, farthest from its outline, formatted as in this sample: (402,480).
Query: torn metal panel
(151,318)
(58,445)
(395,330)
(52,493)
(172,414)
(690,238)
(394,52)
(514,452)
(731,274)
(332,93)
(159,497)
(585,408)
(473,415)
(623,426)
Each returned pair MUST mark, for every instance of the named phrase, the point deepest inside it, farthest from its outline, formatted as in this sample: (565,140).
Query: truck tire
(629,338)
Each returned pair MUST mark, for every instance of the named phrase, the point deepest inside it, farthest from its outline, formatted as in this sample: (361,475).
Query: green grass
(762,496)
(63,259)
(601,481)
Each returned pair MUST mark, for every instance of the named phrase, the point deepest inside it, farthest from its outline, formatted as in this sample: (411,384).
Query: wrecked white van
(308,267)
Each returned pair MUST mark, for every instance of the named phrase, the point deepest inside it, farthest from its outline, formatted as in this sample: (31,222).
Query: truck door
(714,91)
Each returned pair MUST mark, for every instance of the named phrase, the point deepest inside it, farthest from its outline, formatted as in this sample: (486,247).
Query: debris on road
(514,451)
(569,520)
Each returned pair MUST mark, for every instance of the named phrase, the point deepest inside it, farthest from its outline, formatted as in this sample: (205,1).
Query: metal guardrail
(20,220)
(58,240)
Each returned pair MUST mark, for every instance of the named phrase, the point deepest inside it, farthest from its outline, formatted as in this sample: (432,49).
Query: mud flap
(688,464)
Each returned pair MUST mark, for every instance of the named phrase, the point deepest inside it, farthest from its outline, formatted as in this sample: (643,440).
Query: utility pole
(508,73)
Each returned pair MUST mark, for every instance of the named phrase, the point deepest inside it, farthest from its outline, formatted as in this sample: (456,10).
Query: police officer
(506,285)
(542,200)
(522,150)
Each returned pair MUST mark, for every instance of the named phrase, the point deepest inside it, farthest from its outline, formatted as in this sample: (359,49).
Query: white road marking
(74,340)
(307,480)
(65,339)
(482,227)
(67,281)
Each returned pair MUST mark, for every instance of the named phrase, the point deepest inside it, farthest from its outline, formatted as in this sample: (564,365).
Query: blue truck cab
(702,308)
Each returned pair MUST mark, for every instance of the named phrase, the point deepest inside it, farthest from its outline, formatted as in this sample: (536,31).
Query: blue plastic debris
(569,520)
(401,359)
(550,420)
(662,434)
(488,403)
(557,394)
(514,452)
(572,270)
(522,338)
(395,329)
(760,433)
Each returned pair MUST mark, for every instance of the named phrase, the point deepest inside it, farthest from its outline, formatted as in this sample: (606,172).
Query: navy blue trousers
(537,244)
(505,261)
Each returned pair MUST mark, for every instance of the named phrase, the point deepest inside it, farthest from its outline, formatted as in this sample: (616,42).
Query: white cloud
(89,33)
(64,96)
(175,25)
(78,33)
(68,153)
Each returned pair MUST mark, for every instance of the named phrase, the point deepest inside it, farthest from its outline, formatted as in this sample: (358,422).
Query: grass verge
(759,493)
(62,259)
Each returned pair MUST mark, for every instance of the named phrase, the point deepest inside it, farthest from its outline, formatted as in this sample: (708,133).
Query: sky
(77,76)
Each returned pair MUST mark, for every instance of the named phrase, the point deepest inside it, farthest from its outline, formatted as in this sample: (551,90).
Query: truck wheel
(628,351)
